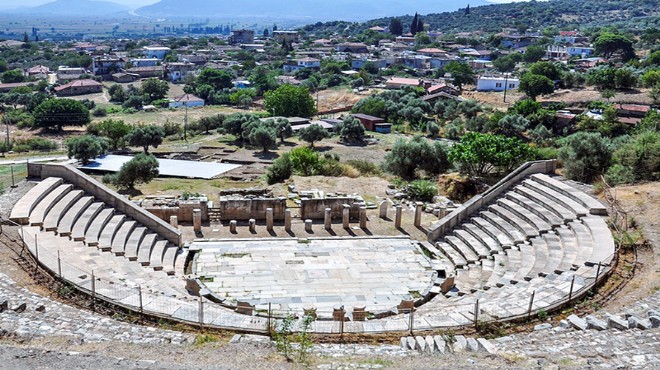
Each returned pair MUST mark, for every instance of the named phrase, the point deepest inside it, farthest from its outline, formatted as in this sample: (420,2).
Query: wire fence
(513,303)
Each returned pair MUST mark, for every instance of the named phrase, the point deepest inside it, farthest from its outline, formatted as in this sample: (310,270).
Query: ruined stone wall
(183,211)
(245,209)
(315,208)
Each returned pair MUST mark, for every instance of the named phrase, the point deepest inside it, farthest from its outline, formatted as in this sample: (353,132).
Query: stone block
(410,343)
(253,225)
(397,216)
(363,217)
(448,284)
(636,322)
(419,208)
(382,209)
(359,313)
(308,225)
(287,219)
(197,219)
(174,221)
(346,216)
(486,346)
(430,344)
(616,322)
(327,218)
(655,321)
(543,326)
(472,345)
(232,226)
(269,219)
(577,323)
(420,344)
(460,344)
(338,313)
(244,308)
(440,344)
(403,343)
(595,323)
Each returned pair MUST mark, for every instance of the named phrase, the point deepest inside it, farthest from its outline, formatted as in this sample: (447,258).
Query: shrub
(365,167)
(305,161)
(422,190)
(86,147)
(140,169)
(280,170)
(99,112)
(585,155)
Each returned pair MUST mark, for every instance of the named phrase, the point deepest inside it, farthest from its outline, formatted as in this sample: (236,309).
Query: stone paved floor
(376,273)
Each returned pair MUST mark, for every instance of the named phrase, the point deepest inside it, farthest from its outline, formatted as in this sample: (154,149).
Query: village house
(409,40)
(186,101)
(79,87)
(145,62)
(70,73)
(285,36)
(176,72)
(399,82)
(241,36)
(39,72)
(107,65)
(352,47)
(158,52)
(414,61)
(298,64)
(486,83)
(372,123)
(570,37)
(121,77)
(516,41)
(147,72)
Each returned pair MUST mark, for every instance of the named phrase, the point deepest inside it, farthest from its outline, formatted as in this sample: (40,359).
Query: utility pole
(7,127)
(185,122)
(506,84)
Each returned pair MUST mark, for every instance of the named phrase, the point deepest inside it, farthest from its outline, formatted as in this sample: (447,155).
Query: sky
(9,4)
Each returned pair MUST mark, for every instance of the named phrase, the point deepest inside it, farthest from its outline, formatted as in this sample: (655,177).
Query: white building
(497,83)
(187,100)
(155,51)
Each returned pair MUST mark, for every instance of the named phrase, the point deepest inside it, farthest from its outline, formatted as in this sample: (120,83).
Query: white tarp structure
(167,167)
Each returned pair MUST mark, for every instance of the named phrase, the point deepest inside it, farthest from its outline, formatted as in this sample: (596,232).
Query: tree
(547,69)
(461,73)
(413,24)
(534,85)
(86,148)
(313,133)
(263,136)
(603,77)
(154,89)
(144,136)
(607,44)
(418,153)
(481,154)
(352,130)
(114,130)
(396,28)
(585,155)
(140,169)
(12,76)
(117,93)
(625,79)
(266,33)
(283,129)
(505,63)
(217,78)
(305,161)
(289,101)
(53,114)
(512,125)
(534,53)
(639,158)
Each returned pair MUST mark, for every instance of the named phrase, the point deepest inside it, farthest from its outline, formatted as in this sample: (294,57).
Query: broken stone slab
(403,342)
(615,322)
(543,326)
(41,308)
(4,306)
(595,323)
(460,344)
(486,346)
(564,324)
(439,344)
(577,322)
(430,345)
(472,345)
(20,308)
(636,322)
(655,321)
(420,344)
(653,313)
(235,339)
(410,343)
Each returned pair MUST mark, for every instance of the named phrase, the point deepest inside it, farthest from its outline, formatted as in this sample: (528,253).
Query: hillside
(305,9)
(563,14)
(74,8)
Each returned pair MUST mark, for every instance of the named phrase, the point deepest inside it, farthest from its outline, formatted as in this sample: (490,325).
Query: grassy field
(20,172)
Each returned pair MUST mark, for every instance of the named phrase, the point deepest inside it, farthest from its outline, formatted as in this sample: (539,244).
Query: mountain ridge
(73,8)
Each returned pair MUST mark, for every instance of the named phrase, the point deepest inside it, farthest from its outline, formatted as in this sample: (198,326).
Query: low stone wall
(183,211)
(445,224)
(244,208)
(314,209)
(109,197)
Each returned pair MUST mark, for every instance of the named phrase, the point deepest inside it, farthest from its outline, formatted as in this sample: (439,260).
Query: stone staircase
(441,344)
(53,207)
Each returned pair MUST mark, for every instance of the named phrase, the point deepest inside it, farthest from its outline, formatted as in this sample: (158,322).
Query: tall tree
(461,73)
(534,85)
(313,133)
(144,136)
(607,44)
(413,24)
(289,101)
(396,28)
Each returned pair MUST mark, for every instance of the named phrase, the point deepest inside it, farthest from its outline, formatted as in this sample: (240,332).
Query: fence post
(476,313)
(201,313)
(412,320)
(270,314)
(36,252)
(59,264)
(93,292)
(570,292)
(597,273)
(140,298)
(341,325)
(531,302)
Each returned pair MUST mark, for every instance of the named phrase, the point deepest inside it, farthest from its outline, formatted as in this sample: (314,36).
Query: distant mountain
(74,8)
(301,9)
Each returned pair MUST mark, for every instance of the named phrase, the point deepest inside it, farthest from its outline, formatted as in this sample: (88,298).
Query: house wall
(80,90)
(497,84)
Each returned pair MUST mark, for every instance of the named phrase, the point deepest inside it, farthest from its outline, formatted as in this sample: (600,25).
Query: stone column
(253,225)
(308,225)
(419,206)
(346,215)
(197,219)
(269,219)
(397,216)
(327,219)
(287,219)
(363,217)
(232,226)
(382,209)
(442,212)
(174,221)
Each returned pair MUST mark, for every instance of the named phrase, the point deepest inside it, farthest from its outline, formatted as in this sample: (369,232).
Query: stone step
(39,212)
(513,265)
(20,213)
(578,209)
(81,225)
(156,259)
(454,256)
(603,251)
(169,259)
(56,213)
(527,262)
(542,258)
(504,226)
(595,207)
(97,225)
(475,244)
(570,247)
(109,232)
(584,242)
(462,248)
(121,237)
(548,203)
(133,243)
(491,243)
(549,217)
(146,246)
(525,214)
(499,269)
(555,255)
(65,227)
(486,226)
(528,230)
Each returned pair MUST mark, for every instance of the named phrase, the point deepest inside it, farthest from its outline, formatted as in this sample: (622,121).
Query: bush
(305,161)
(422,190)
(418,153)
(280,170)
(99,112)
(86,148)
(140,169)
(585,155)
(364,167)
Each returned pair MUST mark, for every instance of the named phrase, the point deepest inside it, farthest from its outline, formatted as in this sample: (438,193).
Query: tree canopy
(140,169)
(85,148)
(313,133)
(53,114)
(534,85)
(144,136)
(482,154)
(407,156)
(607,44)
(461,73)
(586,155)
(289,101)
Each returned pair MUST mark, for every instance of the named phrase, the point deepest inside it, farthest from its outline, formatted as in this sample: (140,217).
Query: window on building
(512,86)
(498,84)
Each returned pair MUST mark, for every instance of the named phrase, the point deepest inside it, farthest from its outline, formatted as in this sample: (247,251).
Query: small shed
(383,128)
(369,122)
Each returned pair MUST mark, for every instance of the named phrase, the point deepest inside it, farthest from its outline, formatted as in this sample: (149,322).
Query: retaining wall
(456,217)
(245,209)
(314,209)
(103,194)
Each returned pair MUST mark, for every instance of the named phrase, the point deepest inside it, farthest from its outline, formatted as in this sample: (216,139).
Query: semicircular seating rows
(542,236)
